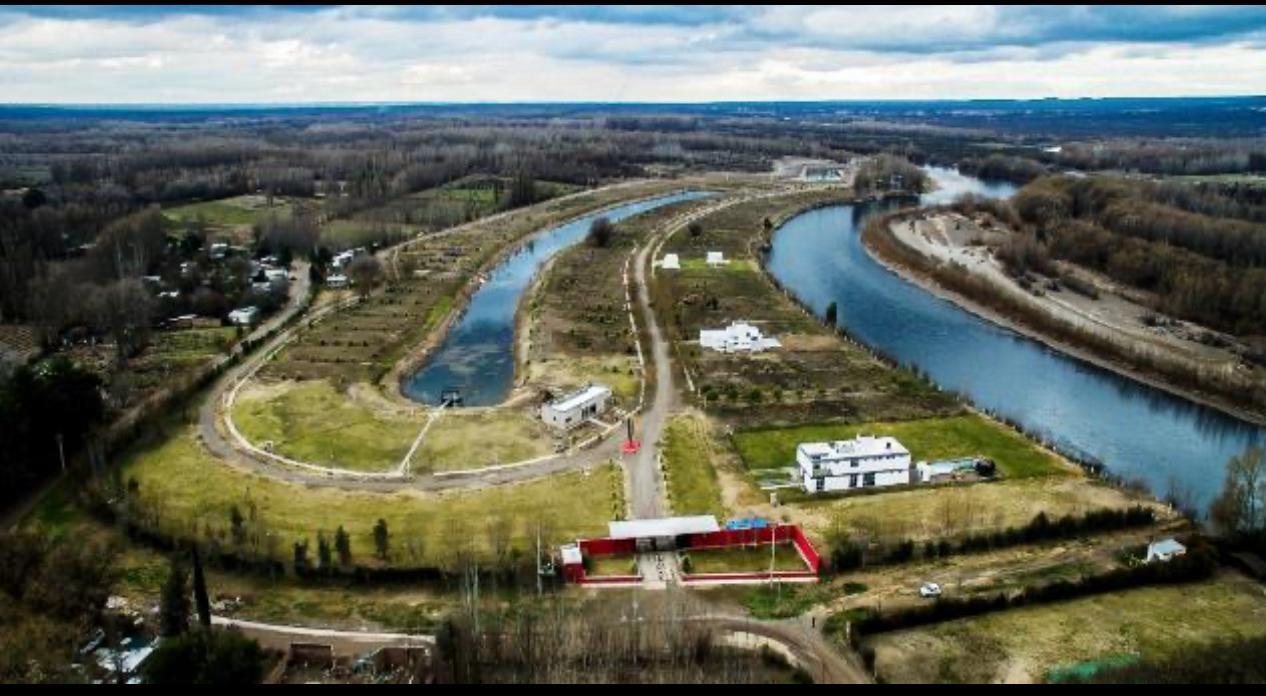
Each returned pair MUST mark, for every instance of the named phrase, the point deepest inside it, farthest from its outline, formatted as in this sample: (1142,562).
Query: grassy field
(612,565)
(1023,644)
(470,440)
(190,490)
(947,511)
(689,471)
(927,439)
(229,212)
(745,560)
(620,372)
(313,422)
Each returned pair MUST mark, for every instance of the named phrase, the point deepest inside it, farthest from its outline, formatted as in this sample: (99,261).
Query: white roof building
(716,258)
(863,462)
(671,262)
(662,527)
(244,316)
(576,408)
(1164,550)
(336,281)
(739,337)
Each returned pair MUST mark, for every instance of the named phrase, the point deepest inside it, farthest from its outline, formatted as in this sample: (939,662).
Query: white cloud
(350,54)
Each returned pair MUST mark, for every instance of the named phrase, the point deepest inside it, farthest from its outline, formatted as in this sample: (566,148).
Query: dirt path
(280,636)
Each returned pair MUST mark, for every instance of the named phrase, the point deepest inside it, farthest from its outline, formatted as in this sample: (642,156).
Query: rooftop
(577,398)
(663,527)
(860,446)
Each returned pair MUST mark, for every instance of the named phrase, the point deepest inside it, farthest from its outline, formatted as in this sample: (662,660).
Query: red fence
(607,547)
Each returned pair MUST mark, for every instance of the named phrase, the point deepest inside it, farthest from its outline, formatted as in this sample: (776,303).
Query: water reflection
(1137,431)
(477,356)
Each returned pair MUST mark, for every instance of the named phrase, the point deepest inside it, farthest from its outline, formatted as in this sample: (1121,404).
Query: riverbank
(898,258)
(392,384)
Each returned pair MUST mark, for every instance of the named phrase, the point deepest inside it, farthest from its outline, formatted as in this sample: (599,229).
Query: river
(477,355)
(1138,432)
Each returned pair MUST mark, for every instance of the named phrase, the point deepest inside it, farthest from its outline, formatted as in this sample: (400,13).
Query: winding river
(477,355)
(1138,432)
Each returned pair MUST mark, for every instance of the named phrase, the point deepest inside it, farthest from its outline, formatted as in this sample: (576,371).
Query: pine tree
(174,606)
(200,591)
(343,546)
(381,538)
(325,562)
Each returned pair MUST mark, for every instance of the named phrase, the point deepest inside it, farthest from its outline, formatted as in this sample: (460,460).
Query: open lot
(1021,645)
(462,439)
(237,211)
(927,439)
(185,489)
(313,422)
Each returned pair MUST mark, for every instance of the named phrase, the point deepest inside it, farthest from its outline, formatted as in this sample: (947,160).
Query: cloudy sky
(192,54)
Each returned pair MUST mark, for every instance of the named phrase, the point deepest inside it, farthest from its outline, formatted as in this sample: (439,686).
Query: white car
(930,590)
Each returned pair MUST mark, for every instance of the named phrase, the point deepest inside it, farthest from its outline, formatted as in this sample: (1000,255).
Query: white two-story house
(863,462)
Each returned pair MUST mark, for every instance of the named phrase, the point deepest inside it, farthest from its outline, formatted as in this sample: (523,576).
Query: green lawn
(688,470)
(238,210)
(612,565)
(700,264)
(473,439)
(928,439)
(313,422)
(745,559)
(188,490)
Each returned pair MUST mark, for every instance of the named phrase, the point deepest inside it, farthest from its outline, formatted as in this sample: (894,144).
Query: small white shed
(716,258)
(574,409)
(244,316)
(1164,550)
(670,263)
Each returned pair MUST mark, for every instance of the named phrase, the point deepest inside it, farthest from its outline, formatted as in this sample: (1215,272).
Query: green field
(315,423)
(745,559)
(927,439)
(471,440)
(612,565)
(231,212)
(182,485)
(688,469)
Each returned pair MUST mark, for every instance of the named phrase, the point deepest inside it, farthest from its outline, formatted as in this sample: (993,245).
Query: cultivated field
(690,468)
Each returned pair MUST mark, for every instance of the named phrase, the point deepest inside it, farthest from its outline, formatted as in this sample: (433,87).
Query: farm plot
(815,375)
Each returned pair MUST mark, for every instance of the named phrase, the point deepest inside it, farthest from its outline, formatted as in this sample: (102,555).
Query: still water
(1136,431)
(477,355)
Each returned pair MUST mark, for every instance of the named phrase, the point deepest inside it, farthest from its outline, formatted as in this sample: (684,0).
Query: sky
(515,53)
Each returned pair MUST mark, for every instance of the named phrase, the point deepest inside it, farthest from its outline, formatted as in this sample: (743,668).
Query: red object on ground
(631,446)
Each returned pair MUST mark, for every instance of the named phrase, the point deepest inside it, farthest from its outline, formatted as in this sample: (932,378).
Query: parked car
(930,590)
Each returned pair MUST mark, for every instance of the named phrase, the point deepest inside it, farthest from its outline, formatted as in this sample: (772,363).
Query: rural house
(739,337)
(863,462)
(576,408)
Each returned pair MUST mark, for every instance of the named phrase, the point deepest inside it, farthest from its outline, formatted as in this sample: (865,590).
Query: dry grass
(1022,644)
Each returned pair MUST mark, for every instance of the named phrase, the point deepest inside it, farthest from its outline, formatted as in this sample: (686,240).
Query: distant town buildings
(739,337)
(863,462)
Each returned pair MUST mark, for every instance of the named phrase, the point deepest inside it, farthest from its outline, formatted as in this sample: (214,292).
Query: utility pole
(61,452)
(538,559)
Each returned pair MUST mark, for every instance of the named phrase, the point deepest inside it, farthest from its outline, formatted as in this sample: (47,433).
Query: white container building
(574,409)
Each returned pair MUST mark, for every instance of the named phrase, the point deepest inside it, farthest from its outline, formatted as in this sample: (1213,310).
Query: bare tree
(366,274)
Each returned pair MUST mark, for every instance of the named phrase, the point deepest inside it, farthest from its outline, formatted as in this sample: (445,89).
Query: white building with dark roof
(863,462)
